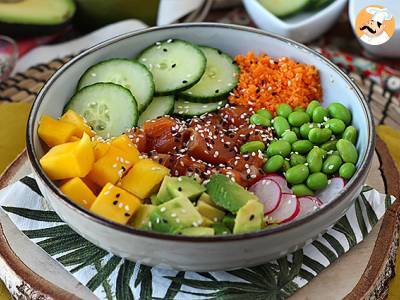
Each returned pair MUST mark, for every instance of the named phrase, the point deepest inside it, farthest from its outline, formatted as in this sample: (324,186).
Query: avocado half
(24,18)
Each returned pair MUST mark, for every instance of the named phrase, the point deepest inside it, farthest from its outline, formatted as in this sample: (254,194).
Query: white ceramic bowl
(201,253)
(302,27)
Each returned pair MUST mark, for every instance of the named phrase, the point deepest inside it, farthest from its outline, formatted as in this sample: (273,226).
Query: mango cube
(69,160)
(144,178)
(115,204)
(79,192)
(100,149)
(54,132)
(125,144)
(73,118)
(110,168)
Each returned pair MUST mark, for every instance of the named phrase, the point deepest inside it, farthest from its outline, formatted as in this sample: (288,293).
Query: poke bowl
(200,146)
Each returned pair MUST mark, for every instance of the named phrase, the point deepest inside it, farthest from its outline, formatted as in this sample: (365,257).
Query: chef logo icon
(375,25)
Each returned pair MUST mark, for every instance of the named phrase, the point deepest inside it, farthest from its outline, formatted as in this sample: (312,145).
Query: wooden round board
(363,272)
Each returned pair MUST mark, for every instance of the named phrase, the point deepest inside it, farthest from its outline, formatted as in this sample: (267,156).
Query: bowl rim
(352,185)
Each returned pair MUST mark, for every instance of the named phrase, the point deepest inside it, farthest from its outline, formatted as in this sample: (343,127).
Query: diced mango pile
(107,177)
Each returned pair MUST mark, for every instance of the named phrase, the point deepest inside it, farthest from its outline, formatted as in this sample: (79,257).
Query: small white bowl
(302,27)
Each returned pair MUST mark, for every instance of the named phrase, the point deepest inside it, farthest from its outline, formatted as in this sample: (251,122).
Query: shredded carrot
(265,82)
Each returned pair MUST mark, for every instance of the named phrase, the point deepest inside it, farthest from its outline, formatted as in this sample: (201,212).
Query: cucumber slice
(130,74)
(108,108)
(185,108)
(160,106)
(284,8)
(220,77)
(175,64)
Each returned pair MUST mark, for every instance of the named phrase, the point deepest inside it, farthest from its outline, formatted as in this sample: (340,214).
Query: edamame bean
(317,181)
(350,133)
(315,160)
(289,136)
(298,118)
(302,146)
(347,151)
(285,166)
(257,119)
(347,170)
(311,106)
(279,147)
(297,174)
(319,135)
(297,159)
(332,164)
(280,125)
(273,164)
(339,111)
(252,146)
(265,113)
(299,108)
(305,129)
(283,110)
(296,130)
(336,125)
(301,190)
(319,114)
(329,145)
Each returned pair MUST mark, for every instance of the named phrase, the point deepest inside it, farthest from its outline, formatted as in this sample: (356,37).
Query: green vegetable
(339,111)
(273,164)
(319,114)
(305,129)
(319,135)
(286,166)
(283,110)
(311,106)
(336,125)
(297,159)
(301,190)
(332,164)
(296,130)
(350,133)
(347,151)
(280,147)
(298,118)
(261,120)
(302,146)
(347,170)
(252,146)
(265,113)
(280,125)
(315,160)
(297,174)
(329,145)
(317,181)
(299,108)
(289,136)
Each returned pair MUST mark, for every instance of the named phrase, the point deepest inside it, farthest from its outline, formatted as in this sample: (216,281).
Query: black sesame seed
(115,202)
(216,91)
(173,66)
(246,158)
(160,160)
(165,50)
(226,146)
(180,188)
(248,177)
(219,52)
(118,195)
(251,217)
(184,81)
(127,215)
(123,168)
(273,93)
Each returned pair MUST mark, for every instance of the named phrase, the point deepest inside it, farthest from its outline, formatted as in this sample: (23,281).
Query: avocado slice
(228,194)
(163,194)
(249,217)
(197,231)
(142,216)
(175,215)
(210,212)
(35,17)
(221,229)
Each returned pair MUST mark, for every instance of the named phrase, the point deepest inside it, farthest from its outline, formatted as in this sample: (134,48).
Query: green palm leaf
(106,285)
(33,214)
(388,201)
(296,264)
(103,273)
(145,278)
(328,253)
(174,287)
(344,227)
(366,188)
(59,245)
(81,255)
(372,218)
(313,264)
(31,183)
(60,230)
(207,275)
(268,271)
(334,243)
(123,290)
(360,219)
(255,278)
(92,260)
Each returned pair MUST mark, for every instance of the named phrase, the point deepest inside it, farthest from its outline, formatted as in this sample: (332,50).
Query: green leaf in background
(343,226)
(125,273)
(145,279)
(372,218)
(360,218)
(328,253)
(103,273)
(33,214)
(334,243)
(174,287)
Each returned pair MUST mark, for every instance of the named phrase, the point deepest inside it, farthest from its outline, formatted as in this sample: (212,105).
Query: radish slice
(308,205)
(269,193)
(281,181)
(335,185)
(288,209)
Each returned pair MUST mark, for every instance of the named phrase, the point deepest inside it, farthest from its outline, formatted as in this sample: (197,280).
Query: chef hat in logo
(379,14)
